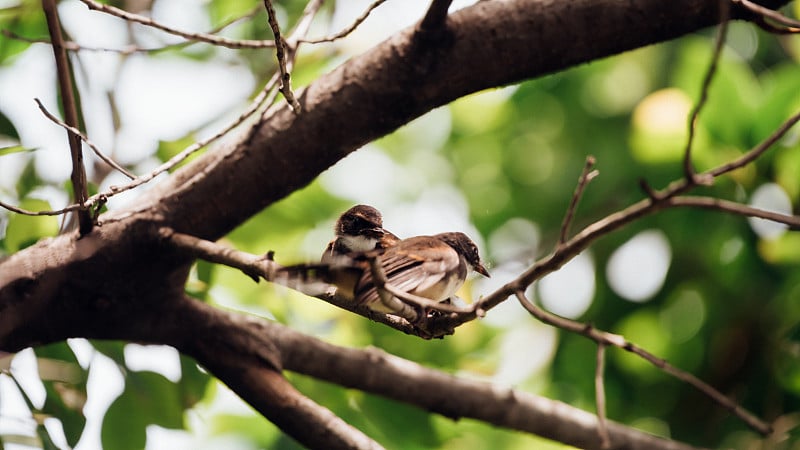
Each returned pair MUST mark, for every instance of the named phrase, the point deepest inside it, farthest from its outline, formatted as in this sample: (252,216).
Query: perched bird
(359,229)
(433,267)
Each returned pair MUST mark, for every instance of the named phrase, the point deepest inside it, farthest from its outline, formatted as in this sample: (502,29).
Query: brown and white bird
(359,229)
(433,267)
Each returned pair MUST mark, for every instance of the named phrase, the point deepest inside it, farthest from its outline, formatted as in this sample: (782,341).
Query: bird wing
(418,266)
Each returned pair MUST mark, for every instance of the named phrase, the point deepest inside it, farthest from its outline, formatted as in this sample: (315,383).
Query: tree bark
(120,280)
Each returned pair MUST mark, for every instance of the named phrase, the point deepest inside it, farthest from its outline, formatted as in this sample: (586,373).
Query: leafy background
(712,293)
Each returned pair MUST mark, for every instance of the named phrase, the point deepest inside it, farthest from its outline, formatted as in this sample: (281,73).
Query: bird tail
(335,276)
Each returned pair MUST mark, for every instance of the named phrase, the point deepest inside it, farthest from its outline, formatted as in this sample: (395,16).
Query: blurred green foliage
(728,311)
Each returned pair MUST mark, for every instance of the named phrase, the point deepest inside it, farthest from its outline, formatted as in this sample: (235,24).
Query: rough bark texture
(122,281)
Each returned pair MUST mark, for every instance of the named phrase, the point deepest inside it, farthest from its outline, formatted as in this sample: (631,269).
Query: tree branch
(448,395)
(605,338)
(346,108)
(78,177)
(436,15)
(349,29)
(191,36)
(688,168)
(587,175)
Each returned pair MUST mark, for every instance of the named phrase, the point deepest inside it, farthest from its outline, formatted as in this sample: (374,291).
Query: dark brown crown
(360,220)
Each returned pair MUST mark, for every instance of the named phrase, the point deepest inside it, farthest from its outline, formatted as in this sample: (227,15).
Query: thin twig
(436,15)
(656,201)
(792,26)
(587,175)
(265,97)
(756,151)
(129,49)
(605,338)
(266,268)
(79,184)
(281,54)
(303,25)
(191,36)
(26,212)
(688,168)
(600,397)
(254,106)
(85,139)
(718,204)
(349,29)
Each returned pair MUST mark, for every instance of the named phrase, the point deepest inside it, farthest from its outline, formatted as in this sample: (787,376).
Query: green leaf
(23,231)
(168,149)
(194,382)
(403,425)
(148,398)
(65,384)
(28,180)
(14,149)
(7,128)
(24,19)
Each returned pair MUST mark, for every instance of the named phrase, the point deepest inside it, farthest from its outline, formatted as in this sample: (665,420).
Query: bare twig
(26,212)
(85,139)
(265,97)
(756,151)
(600,397)
(78,177)
(192,36)
(656,201)
(258,266)
(129,49)
(688,168)
(605,338)
(303,25)
(791,25)
(280,51)
(587,175)
(254,106)
(347,30)
(436,15)
(718,204)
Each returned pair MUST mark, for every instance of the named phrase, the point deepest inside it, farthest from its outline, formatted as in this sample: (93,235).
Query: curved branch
(400,79)
(227,348)
(378,372)
(190,36)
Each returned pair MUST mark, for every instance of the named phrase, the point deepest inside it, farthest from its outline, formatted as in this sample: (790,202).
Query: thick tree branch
(375,371)
(244,357)
(120,280)
(401,79)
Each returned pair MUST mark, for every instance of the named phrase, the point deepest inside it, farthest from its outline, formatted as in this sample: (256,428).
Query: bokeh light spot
(569,291)
(770,197)
(683,316)
(637,270)
(659,126)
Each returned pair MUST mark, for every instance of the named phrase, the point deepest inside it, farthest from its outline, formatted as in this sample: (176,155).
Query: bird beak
(482,270)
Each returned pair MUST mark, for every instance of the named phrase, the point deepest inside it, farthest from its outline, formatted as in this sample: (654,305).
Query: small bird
(359,229)
(433,267)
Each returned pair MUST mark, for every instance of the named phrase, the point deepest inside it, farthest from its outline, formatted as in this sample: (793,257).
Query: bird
(433,267)
(359,229)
